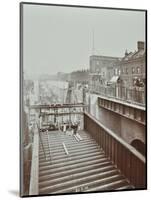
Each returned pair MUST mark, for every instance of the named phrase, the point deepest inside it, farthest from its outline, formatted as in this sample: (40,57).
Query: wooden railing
(127,159)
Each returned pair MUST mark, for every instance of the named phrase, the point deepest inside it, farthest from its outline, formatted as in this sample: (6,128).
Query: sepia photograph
(82,99)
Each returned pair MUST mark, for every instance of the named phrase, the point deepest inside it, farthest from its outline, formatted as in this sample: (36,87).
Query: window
(133,70)
(116,71)
(97,62)
(134,82)
(138,70)
(119,72)
(97,70)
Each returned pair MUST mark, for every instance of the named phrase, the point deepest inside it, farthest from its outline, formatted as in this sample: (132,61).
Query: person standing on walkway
(64,128)
(75,128)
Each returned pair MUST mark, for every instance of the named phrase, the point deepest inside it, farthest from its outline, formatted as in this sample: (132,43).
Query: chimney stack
(140,45)
(126,53)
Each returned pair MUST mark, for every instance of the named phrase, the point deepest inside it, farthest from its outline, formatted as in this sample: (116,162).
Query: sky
(61,39)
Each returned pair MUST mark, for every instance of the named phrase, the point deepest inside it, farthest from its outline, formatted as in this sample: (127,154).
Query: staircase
(69,165)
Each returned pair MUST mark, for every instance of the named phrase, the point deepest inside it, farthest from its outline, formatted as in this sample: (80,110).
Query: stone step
(69,158)
(83,180)
(70,145)
(73,175)
(56,139)
(85,186)
(71,153)
(57,145)
(69,139)
(62,135)
(67,170)
(72,140)
(68,165)
(70,149)
(110,186)
(126,187)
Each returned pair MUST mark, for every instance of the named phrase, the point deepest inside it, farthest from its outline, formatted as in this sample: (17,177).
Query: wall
(132,130)
(110,120)
(126,128)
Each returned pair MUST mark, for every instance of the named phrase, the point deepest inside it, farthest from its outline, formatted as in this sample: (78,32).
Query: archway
(139,145)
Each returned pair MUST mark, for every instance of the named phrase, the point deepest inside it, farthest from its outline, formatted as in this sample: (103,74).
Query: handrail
(130,104)
(128,160)
(124,94)
(34,177)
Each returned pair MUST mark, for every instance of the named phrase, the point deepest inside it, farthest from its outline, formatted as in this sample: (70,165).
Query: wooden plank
(79,137)
(65,148)
(76,138)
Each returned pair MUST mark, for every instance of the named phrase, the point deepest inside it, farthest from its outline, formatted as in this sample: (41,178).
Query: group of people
(66,128)
(70,128)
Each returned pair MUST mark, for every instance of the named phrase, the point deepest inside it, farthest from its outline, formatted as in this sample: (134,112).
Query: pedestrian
(75,128)
(64,128)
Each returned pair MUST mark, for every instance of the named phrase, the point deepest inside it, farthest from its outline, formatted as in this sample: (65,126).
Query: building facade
(133,67)
(101,69)
(123,78)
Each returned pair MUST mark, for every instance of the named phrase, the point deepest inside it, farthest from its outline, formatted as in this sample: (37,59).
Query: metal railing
(127,159)
(136,95)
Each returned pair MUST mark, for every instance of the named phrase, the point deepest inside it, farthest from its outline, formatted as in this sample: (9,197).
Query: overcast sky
(61,38)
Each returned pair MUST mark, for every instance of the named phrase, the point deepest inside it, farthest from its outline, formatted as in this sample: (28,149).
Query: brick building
(101,69)
(133,67)
(122,78)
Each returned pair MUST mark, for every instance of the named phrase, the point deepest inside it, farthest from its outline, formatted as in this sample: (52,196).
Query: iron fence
(135,95)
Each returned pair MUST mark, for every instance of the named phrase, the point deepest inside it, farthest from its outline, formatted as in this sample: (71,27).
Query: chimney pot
(140,45)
